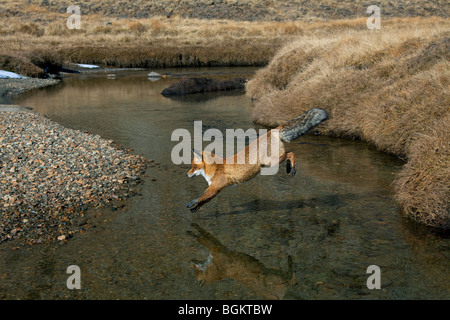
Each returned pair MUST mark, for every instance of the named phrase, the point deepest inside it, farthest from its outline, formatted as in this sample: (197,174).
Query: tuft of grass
(136,26)
(423,186)
(31,29)
(20,65)
(157,25)
(47,60)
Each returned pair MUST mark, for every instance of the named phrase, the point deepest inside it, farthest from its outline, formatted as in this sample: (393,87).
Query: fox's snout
(192,173)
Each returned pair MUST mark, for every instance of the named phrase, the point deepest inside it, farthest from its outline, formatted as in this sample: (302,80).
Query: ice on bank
(10,75)
(87,66)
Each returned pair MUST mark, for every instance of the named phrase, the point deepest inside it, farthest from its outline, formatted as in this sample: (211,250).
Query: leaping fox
(230,171)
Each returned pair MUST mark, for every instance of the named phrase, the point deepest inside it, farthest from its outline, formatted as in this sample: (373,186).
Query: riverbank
(35,39)
(50,175)
(388,88)
(11,87)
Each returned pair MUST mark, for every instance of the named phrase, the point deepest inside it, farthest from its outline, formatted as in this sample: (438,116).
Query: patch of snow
(10,75)
(87,66)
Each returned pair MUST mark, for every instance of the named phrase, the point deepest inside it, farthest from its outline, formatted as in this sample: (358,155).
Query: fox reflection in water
(223,263)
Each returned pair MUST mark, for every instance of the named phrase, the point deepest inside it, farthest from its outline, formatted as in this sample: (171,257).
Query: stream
(333,220)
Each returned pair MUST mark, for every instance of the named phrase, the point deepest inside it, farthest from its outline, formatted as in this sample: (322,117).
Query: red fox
(229,171)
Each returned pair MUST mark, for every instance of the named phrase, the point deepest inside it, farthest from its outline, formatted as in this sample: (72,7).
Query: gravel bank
(49,176)
(10,87)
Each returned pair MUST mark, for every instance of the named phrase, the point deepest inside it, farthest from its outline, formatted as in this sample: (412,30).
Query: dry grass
(164,40)
(155,42)
(423,185)
(389,88)
(238,10)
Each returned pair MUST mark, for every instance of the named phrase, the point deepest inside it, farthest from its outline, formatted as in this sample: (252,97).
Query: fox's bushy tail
(302,124)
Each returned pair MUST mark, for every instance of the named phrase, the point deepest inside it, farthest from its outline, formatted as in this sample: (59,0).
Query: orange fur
(230,171)
(233,170)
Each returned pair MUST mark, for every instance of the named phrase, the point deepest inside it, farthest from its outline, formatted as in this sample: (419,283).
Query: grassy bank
(34,37)
(39,39)
(389,88)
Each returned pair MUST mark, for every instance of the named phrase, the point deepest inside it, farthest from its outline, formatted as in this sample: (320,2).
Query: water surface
(335,218)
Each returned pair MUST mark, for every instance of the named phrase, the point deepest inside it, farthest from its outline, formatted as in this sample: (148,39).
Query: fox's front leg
(209,193)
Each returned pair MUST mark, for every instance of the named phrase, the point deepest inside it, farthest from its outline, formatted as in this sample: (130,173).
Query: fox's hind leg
(290,163)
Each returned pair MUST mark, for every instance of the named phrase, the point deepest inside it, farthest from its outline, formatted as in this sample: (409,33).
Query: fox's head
(198,165)
(203,164)
(206,272)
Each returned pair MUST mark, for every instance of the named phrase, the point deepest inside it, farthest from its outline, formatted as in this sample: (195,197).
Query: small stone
(154,75)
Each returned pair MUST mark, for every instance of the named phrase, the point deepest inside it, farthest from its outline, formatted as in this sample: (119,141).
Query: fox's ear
(197,155)
(196,265)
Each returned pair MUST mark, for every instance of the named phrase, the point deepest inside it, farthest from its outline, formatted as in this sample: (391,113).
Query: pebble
(50,175)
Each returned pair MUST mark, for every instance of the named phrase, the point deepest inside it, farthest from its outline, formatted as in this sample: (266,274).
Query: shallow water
(335,218)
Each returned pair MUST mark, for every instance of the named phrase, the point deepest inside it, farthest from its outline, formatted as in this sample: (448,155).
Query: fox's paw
(293,171)
(190,204)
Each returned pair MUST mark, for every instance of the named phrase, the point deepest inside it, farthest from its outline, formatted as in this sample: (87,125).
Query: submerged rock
(154,75)
(199,85)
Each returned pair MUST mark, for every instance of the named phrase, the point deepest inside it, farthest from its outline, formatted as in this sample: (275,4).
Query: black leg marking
(288,166)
